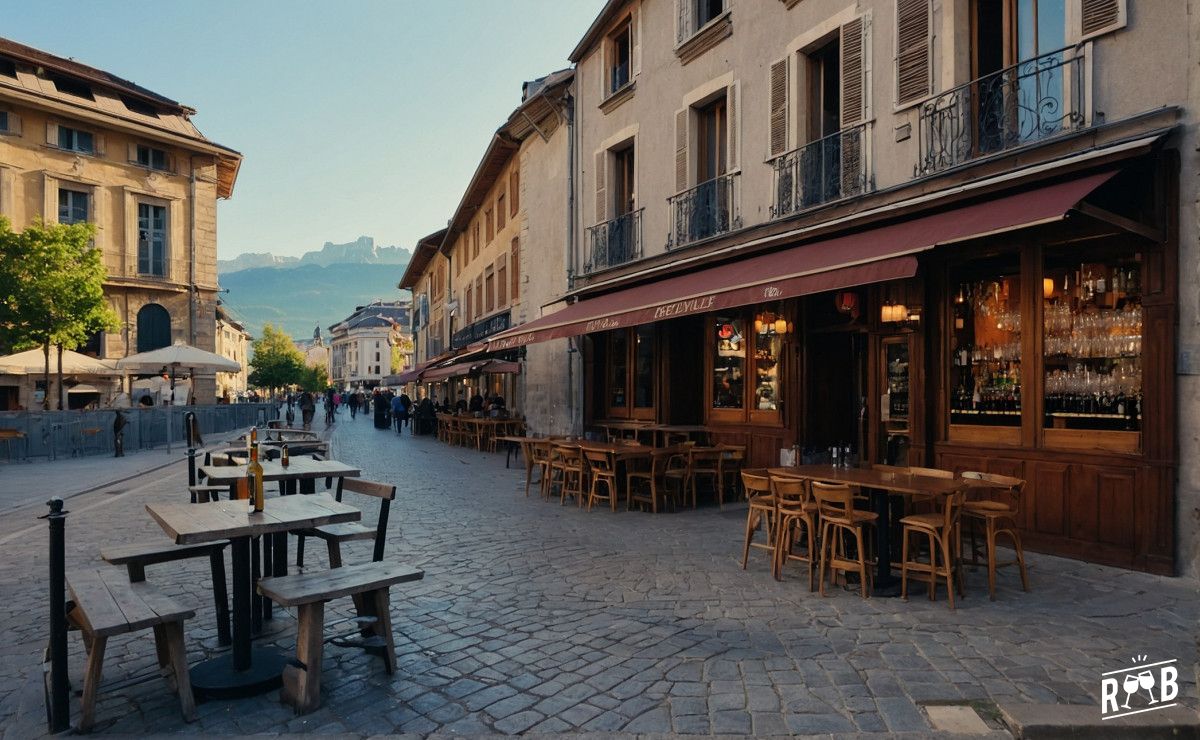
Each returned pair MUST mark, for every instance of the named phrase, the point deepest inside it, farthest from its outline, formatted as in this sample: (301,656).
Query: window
(985,360)
(643,367)
(501,212)
(72,206)
(152,240)
(155,159)
(377,357)
(712,133)
(153,328)
(747,350)
(623,181)
(620,55)
(489,225)
(138,106)
(630,368)
(706,10)
(467,314)
(514,190)
(824,91)
(490,289)
(729,363)
(501,282)
(514,261)
(70,86)
(475,241)
(74,140)
(478,296)
(694,15)
(8,68)
(3,120)
(618,372)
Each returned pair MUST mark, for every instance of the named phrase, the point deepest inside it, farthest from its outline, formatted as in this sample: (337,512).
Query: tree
(277,363)
(52,282)
(314,378)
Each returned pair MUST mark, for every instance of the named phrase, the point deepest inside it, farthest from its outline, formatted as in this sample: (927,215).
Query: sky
(358,117)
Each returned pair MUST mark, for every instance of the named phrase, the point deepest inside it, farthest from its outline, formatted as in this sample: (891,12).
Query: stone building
(233,341)
(81,144)
(360,346)
(955,233)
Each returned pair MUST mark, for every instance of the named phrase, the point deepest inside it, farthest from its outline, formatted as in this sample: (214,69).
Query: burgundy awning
(449,371)
(460,369)
(408,376)
(870,256)
(499,367)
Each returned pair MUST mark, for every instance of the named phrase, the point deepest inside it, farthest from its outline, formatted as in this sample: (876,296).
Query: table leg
(256,611)
(885,583)
(308,485)
(241,602)
(267,540)
(280,545)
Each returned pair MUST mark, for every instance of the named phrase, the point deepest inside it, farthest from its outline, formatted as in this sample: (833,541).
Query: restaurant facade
(944,236)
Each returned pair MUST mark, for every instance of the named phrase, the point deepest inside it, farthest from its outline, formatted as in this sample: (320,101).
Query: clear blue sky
(354,117)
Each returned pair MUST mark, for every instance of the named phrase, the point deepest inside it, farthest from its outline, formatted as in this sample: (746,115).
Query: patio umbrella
(178,355)
(33,361)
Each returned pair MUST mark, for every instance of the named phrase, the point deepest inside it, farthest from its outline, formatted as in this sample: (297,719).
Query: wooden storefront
(1045,353)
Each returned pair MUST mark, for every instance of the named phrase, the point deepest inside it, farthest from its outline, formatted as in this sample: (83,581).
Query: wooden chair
(940,528)
(839,518)
(654,479)
(998,517)
(706,463)
(733,459)
(368,584)
(796,515)
(678,474)
(335,534)
(104,604)
(567,461)
(762,507)
(539,455)
(602,469)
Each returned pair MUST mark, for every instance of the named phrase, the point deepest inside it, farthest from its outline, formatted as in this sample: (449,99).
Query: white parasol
(32,362)
(178,355)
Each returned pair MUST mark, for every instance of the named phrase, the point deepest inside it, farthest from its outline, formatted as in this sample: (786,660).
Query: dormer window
(138,106)
(71,86)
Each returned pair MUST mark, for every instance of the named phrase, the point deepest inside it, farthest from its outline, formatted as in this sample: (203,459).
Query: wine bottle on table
(284,459)
(255,472)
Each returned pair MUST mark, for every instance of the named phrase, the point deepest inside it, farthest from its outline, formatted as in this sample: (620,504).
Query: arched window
(153,328)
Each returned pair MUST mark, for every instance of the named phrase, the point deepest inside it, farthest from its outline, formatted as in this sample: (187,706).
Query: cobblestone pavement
(538,618)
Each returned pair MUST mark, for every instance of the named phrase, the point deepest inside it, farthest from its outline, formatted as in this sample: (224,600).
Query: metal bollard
(189,428)
(58,708)
(191,457)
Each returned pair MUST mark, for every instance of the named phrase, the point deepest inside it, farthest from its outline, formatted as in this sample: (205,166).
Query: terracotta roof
(426,247)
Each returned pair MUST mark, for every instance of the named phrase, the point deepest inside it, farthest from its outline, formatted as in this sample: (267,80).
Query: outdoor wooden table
(245,671)
(622,453)
(511,442)
(302,470)
(695,432)
(880,483)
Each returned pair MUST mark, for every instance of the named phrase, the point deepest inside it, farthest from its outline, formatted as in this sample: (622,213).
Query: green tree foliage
(277,363)
(314,379)
(52,289)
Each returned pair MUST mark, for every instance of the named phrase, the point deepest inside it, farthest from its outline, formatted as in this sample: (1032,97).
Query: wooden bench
(368,584)
(137,556)
(335,534)
(106,604)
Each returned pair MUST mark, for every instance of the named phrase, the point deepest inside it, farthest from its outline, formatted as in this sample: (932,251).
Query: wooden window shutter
(514,267)
(914,61)
(601,188)
(14,123)
(1101,16)
(132,152)
(514,192)
(681,149)
(779,107)
(854,68)
(52,134)
(733,102)
(635,44)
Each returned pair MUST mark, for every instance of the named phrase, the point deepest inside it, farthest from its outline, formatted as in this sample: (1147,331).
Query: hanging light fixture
(781,326)
(1048,287)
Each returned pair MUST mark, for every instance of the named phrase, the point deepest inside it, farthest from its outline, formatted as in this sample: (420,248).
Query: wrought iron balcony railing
(1033,100)
(828,169)
(705,210)
(615,242)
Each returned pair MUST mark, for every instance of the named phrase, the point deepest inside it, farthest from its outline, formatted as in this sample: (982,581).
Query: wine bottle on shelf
(255,472)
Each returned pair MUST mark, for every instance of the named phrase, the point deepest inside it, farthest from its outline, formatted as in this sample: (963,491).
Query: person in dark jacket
(383,411)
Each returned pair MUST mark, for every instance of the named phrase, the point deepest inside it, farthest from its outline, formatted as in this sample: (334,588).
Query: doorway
(835,390)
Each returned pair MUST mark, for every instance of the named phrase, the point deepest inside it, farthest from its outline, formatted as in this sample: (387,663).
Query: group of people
(388,409)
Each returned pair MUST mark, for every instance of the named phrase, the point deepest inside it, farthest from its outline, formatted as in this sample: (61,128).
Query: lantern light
(1048,287)
(781,326)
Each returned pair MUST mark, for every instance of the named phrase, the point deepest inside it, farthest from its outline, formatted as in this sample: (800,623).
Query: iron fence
(615,241)
(703,211)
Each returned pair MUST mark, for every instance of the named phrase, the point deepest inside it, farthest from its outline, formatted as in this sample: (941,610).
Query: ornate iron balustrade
(705,210)
(615,242)
(1029,101)
(828,169)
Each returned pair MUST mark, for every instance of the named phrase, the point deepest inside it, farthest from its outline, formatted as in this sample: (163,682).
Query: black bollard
(191,455)
(189,428)
(59,708)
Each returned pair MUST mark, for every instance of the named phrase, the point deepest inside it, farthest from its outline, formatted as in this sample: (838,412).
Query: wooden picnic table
(879,483)
(245,671)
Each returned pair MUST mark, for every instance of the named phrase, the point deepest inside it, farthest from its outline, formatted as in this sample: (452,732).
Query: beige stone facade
(78,143)
(232,341)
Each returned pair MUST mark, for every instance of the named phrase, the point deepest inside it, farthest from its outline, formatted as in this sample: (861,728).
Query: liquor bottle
(284,460)
(251,440)
(255,472)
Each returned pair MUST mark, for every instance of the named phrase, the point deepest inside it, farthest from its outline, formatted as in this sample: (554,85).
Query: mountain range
(318,289)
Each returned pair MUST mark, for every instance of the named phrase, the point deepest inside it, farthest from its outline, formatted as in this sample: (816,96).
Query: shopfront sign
(481,330)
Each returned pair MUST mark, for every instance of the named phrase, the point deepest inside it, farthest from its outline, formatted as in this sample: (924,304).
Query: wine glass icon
(1130,685)
(1146,681)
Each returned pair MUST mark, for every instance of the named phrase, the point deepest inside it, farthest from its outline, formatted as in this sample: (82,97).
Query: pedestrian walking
(308,409)
(353,404)
(399,413)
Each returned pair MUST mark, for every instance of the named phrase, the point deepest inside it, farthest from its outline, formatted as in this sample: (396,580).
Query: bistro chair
(757,484)
(998,517)
(839,520)
(648,485)
(940,529)
(335,534)
(678,474)
(795,517)
(567,468)
(706,463)
(602,469)
(733,458)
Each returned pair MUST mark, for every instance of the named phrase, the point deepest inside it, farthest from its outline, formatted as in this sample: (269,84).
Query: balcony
(828,169)
(615,242)
(704,211)
(1034,100)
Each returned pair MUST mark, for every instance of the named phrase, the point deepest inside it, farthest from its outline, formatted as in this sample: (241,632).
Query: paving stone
(731,722)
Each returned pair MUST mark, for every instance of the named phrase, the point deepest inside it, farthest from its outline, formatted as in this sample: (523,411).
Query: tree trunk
(46,376)
(62,393)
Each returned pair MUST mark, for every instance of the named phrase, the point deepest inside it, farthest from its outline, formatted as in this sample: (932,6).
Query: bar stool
(835,504)
(762,506)
(602,468)
(796,515)
(940,528)
(567,460)
(998,517)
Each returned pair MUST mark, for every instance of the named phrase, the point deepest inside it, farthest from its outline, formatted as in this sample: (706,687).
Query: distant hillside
(301,298)
(361,251)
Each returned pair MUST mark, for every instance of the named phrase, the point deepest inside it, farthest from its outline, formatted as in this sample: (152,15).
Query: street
(538,618)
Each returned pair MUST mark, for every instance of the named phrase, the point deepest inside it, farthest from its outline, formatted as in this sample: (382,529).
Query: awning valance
(460,369)
(870,256)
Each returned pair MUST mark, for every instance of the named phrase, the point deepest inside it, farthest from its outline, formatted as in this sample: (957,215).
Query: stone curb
(1053,721)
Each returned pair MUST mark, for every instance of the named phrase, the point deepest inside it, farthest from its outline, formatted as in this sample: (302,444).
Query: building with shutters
(233,341)
(360,346)
(82,144)
(937,233)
